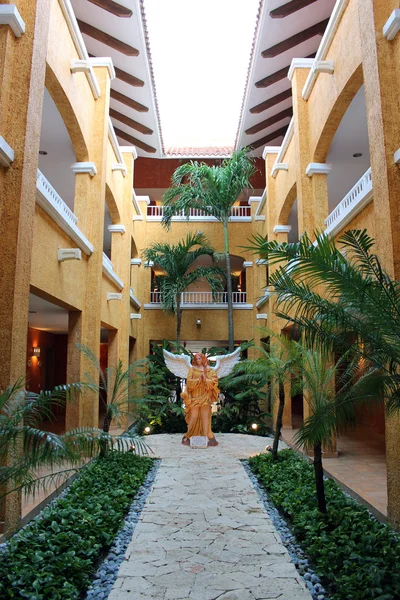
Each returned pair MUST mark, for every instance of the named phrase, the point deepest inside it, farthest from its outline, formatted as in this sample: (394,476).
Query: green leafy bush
(357,557)
(55,556)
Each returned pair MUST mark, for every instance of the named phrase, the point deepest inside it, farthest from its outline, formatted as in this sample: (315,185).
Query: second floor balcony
(204,300)
(238,214)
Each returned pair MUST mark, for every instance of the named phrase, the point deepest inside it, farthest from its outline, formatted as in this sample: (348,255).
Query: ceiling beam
(288,9)
(277,76)
(295,40)
(268,138)
(271,102)
(288,112)
(130,122)
(134,141)
(124,76)
(107,39)
(114,8)
(128,101)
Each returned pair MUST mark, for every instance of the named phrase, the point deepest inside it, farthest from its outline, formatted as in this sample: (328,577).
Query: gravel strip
(297,555)
(106,573)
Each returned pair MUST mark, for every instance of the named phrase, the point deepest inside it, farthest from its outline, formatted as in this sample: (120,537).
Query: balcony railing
(353,203)
(108,270)
(203,298)
(53,205)
(238,213)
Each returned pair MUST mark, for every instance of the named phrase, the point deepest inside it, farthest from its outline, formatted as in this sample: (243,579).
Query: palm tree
(278,366)
(213,190)
(177,263)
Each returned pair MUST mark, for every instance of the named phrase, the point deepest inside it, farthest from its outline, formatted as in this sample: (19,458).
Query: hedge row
(356,557)
(55,556)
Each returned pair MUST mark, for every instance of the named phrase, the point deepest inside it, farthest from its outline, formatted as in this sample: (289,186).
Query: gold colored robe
(200,393)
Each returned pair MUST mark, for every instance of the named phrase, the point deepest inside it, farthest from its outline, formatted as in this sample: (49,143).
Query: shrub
(356,556)
(55,556)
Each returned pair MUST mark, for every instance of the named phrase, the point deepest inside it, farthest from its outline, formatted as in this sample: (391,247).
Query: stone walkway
(204,533)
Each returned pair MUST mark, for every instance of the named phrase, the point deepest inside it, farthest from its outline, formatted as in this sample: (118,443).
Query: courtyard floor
(204,533)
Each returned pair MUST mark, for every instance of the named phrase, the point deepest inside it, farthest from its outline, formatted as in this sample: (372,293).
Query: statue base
(199,441)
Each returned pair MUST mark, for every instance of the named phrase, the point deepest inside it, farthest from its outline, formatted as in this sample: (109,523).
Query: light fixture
(254,426)
(357,154)
(198,322)
(36,352)
(42,152)
(147,429)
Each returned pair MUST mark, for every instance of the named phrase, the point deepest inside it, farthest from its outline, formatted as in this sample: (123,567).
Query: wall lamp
(198,322)
(36,352)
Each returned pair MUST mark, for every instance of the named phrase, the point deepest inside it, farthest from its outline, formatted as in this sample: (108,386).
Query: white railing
(353,203)
(203,298)
(52,203)
(237,212)
(108,270)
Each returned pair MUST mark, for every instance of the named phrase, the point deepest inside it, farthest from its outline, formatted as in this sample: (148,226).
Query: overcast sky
(200,51)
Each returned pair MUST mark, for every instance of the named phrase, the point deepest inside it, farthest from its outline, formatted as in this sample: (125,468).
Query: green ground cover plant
(356,556)
(55,556)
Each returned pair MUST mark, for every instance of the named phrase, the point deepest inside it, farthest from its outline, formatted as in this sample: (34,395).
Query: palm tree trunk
(278,426)
(231,337)
(319,478)
(178,340)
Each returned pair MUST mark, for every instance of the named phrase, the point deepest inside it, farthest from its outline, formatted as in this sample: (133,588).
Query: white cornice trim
(6,153)
(129,150)
(279,166)
(133,299)
(120,167)
(9,15)
(84,167)
(254,199)
(392,25)
(149,263)
(299,63)
(143,199)
(139,215)
(247,264)
(69,254)
(137,218)
(114,142)
(283,149)
(103,61)
(136,261)
(270,150)
(282,229)
(261,262)
(114,296)
(116,228)
(135,316)
(323,66)
(318,169)
(257,216)
(262,316)
(324,46)
(396,157)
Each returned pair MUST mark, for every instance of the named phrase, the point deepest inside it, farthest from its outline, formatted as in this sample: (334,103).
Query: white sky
(200,51)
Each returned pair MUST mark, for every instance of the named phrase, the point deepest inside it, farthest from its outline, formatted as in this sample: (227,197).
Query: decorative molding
(114,142)
(261,262)
(259,217)
(136,261)
(53,205)
(129,150)
(282,229)
(116,228)
(103,61)
(265,298)
(392,25)
(134,300)
(149,263)
(137,218)
(114,296)
(318,169)
(143,199)
(254,199)
(279,166)
(270,150)
(69,254)
(120,167)
(283,149)
(323,66)
(396,157)
(324,46)
(299,63)
(260,207)
(247,264)
(6,153)
(262,316)
(84,167)
(139,215)
(135,316)
(82,66)
(108,270)
(9,15)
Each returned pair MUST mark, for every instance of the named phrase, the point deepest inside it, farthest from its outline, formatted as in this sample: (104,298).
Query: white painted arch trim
(299,63)
(324,46)
(114,143)
(120,167)
(116,228)
(134,300)
(318,169)
(108,271)
(103,61)
(69,254)
(143,199)
(392,25)
(6,153)
(136,261)
(9,15)
(114,296)
(262,316)
(135,316)
(283,149)
(84,167)
(270,150)
(279,167)
(282,229)
(247,264)
(129,150)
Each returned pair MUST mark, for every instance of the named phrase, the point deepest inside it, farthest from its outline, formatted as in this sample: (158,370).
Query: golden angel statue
(201,388)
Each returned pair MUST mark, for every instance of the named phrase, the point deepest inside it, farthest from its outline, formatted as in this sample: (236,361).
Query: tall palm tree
(213,190)
(177,263)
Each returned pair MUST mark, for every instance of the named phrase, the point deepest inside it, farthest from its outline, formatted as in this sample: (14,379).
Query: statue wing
(178,364)
(225,363)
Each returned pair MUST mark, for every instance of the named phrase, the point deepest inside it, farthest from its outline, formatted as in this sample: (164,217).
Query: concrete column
(381,68)
(22,72)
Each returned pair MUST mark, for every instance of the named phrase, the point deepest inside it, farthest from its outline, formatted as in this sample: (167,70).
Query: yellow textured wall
(285,186)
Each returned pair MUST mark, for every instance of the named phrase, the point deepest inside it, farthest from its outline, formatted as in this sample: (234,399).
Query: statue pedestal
(199,441)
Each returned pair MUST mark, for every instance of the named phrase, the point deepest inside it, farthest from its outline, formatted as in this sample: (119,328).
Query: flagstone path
(203,533)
